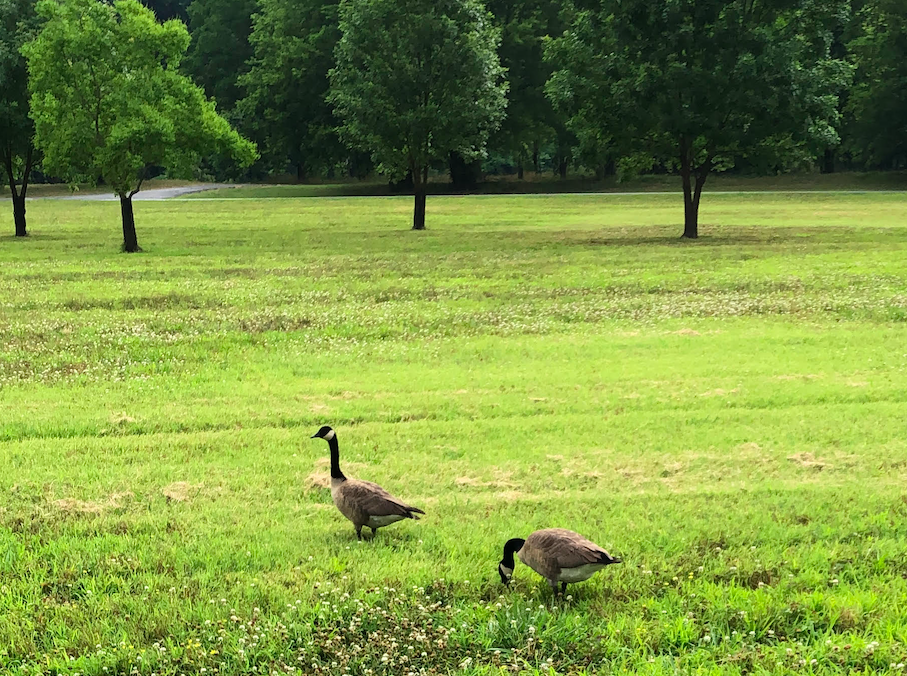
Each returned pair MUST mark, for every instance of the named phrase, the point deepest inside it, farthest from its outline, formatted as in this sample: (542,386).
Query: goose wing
(568,549)
(375,501)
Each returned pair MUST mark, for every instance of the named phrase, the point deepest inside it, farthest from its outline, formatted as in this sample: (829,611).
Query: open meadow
(728,416)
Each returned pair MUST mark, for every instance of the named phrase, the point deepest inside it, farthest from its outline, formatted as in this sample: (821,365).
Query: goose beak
(314,436)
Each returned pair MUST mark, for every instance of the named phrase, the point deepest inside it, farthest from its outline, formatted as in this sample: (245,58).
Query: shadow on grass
(546,184)
(732,236)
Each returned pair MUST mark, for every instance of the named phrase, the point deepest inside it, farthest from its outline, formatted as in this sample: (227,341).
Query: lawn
(726,415)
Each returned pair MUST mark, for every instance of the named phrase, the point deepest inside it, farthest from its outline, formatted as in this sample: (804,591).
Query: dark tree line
(289,46)
(693,86)
(602,86)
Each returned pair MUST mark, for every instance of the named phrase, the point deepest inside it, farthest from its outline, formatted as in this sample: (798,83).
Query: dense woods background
(266,63)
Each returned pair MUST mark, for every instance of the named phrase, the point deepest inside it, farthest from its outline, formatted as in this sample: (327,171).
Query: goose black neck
(335,459)
(510,548)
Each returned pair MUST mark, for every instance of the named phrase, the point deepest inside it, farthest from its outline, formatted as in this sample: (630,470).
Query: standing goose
(558,555)
(362,502)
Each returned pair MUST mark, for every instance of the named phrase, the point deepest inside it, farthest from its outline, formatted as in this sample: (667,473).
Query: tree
(17,151)
(878,99)
(531,120)
(285,109)
(220,47)
(699,82)
(108,99)
(415,80)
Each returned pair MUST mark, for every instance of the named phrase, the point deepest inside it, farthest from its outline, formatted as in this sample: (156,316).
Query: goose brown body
(557,554)
(367,504)
(362,502)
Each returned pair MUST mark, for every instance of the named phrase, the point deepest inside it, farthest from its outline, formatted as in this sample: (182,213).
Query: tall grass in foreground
(726,416)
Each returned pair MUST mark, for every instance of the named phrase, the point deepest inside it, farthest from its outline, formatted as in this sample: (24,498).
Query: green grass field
(726,415)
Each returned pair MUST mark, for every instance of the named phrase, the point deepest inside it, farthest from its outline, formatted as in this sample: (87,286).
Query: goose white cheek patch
(329,435)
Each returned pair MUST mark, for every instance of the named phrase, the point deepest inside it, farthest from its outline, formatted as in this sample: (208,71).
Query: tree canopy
(219,51)
(415,80)
(878,100)
(531,120)
(699,83)
(285,108)
(109,101)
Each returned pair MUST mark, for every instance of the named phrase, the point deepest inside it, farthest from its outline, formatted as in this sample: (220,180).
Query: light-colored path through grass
(726,415)
(154,194)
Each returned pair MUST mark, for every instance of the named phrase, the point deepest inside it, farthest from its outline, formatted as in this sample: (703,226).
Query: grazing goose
(362,502)
(556,554)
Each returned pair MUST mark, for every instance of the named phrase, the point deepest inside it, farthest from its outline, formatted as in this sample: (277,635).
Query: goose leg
(563,588)
(553,584)
(358,532)
(374,531)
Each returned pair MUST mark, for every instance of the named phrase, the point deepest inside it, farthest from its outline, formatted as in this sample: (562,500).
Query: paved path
(155,194)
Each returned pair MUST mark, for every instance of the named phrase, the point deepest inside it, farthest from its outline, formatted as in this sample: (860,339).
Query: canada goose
(362,502)
(558,555)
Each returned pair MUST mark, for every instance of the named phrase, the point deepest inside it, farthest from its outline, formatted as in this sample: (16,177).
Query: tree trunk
(562,167)
(18,194)
(701,174)
(690,210)
(420,179)
(690,207)
(19,215)
(419,213)
(535,158)
(828,161)
(692,191)
(130,241)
